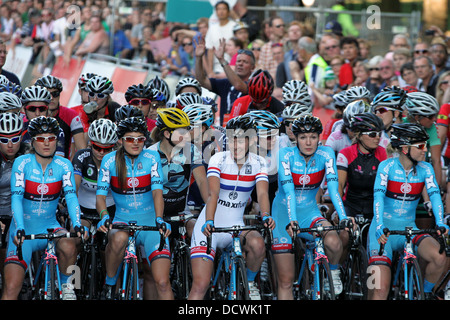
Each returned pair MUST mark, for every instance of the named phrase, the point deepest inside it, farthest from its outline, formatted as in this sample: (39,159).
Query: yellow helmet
(171,118)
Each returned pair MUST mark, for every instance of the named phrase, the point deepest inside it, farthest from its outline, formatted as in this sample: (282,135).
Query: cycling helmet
(353,108)
(9,101)
(260,86)
(199,114)
(41,125)
(10,123)
(238,126)
(294,110)
(405,134)
(3,79)
(187,98)
(158,95)
(132,124)
(188,82)
(171,119)
(83,80)
(340,99)
(49,82)
(391,97)
(297,96)
(159,84)
(366,122)
(356,93)
(294,86)
(421,104)
(265,120)
(100,84)
(11,87)
(138,91)
(127,111)
(307,123)
(410,89)
(35,93)
(103,131)
(211,102)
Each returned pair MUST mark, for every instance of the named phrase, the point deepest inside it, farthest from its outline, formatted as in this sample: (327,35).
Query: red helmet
(260,86)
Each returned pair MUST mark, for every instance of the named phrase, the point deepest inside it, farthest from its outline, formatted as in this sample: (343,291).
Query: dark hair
(406,66)
(349,40)
(222,2)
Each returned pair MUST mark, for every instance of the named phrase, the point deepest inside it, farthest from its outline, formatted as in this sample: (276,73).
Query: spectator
(421,48)
(331,47)
(137,30)
(361,72)
(6,22)
(443,88)
(387,73)
(336,64)
(409,75)
(29,33)
(240,32)
(278,57)
(423,66)
(234,85)
(232,46)
(345,20)
(373,83)
(252,20)
(9,75)
(295,32)
(266,59)
(401,56)
(179,61)
(350,52)
(364,49)
(256,46)
(313,63)
(439,56)
(143,52)
(96,41)
(222,29)
(401,41)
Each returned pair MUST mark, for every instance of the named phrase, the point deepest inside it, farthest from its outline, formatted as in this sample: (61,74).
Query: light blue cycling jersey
(35,193)
(299,182)
(135,202)
(396,195)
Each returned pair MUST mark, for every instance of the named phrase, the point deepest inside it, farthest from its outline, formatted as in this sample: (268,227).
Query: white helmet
(295,110)
(421,104)
(356,93)
(199,114)
(35,93)
(10,123)
(103,131)
(9,101)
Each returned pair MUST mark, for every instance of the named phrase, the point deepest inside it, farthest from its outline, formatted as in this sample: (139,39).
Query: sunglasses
(256,49)
(45,139)
(98,95)
(374,69)
(280,26)
(419,146)
(421,51)
(34,108)
(372,134)
(187,44)
(382,110)
(101,148)
(13,140)
(134,139)
(136,102)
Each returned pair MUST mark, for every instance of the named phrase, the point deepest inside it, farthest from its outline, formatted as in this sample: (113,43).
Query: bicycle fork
(130,255)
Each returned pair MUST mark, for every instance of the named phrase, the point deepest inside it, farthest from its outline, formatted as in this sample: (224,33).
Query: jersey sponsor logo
(309,181)
(42,189)
(105,175)
(36,190)
(329,165)
(429,181)
(20,179)
(66,180)
(154,170)
(133,182)
(287,171)
(405,188)
(384,179)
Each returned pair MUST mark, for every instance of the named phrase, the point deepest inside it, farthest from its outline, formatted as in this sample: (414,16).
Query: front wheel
(415,281)
(355,274)
(241,281)
(325,287)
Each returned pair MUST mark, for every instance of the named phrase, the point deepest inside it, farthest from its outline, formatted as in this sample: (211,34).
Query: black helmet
(239,125)
(305,124)
(161,85)
(49,82)
(132,124)
(127,111)
(138,91)
(405,134)
(366,122)
(42,125)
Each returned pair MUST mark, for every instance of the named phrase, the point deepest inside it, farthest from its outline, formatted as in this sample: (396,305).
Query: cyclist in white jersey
(232,175)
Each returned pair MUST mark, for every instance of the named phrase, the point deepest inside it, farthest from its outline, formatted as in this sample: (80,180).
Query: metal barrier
(379,36)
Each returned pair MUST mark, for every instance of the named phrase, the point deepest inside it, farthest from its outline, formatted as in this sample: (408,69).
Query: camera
(429,32)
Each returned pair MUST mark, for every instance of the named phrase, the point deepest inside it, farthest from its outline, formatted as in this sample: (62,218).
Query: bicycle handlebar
(410,232)
(133,228)
(181,217)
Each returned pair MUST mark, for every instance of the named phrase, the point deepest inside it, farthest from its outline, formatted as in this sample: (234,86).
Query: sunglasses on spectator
(421,51)
(187,44)
(419,146)
(256,49)
(34,108)
(374,69)
(130,139)
(372,134)
(99,148)
(280,26)
(98,95)
(45,139)
(13,140)
(246,52)
(383,110)
(137,101)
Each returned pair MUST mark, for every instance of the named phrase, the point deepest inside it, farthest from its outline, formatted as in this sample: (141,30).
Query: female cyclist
(301,170)
(232,175)
(135,178)
(37,180)
(398,187)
